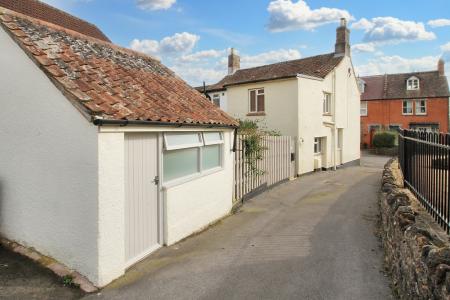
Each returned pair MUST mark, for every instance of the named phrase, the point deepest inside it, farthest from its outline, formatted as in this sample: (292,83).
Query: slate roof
(393,86)
(316,66)
(109,82)
(45,12)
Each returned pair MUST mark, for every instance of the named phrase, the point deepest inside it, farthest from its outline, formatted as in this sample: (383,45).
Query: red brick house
(418,100)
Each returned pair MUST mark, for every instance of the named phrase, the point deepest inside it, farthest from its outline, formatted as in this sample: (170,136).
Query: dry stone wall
(417,250)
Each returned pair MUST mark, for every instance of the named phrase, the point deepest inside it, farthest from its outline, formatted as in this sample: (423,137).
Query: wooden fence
(277,164)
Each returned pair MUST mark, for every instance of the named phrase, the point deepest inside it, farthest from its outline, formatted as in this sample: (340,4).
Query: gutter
(102,122)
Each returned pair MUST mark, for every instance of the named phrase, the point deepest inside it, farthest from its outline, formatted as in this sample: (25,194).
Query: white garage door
(142,235)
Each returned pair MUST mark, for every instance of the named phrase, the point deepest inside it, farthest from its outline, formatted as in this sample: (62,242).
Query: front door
(142,235)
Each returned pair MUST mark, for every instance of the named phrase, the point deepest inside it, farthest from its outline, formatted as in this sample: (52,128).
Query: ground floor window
(317,145)
(189,153)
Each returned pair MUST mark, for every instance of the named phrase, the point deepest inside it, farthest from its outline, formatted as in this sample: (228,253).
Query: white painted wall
(48,166)
(280,104)
(191,206)
(111,206)
(346,116)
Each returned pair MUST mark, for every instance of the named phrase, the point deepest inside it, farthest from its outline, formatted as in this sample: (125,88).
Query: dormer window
(412,84)
(362,86)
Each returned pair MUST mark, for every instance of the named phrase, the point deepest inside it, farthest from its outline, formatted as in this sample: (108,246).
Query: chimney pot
(343,22)
(441,67)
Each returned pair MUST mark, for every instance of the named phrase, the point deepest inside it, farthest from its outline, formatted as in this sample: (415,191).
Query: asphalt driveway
(312,238)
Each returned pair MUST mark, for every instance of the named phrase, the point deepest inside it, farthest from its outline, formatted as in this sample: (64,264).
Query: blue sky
(193,36)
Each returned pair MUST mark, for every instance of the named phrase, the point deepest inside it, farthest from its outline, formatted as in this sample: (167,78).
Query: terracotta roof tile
(316,66)
(108,81)
(393,86)
(45,12)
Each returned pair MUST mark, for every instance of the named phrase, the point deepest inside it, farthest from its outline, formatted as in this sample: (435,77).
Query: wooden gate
(277,164)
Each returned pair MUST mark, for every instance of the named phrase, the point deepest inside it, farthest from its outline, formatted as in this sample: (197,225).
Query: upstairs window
(257,101)
(421,107)
(407,107)
(326,103)
(363,108)
(216,99)
(412,84)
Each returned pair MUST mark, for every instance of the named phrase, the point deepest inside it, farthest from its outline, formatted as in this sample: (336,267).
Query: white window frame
(413,84)
(216,97)
(200,146)
(403,107)
(417,105)
(318,143)
(364,109)
(327,102)
(182,146)
(257,93)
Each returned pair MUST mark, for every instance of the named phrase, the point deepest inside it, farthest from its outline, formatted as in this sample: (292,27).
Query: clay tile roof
(393,86)
(109,82)
(45,12)
(316,66)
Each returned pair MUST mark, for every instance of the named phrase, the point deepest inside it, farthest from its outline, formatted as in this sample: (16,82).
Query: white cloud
(155,4)
(178,44)
(364,48)
(446,47)
(397,64)
(439,23)
(211,65)
(287,15)
(392,30)
(202,55)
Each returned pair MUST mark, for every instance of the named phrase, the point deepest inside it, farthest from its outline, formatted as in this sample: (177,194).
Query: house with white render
(315,99)
(105,155)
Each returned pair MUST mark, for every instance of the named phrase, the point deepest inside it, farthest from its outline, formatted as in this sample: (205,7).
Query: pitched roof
(45,12)
(316,66)
(107,81)
(393,86)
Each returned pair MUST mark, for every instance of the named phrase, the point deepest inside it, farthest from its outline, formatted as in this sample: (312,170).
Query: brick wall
(389,112)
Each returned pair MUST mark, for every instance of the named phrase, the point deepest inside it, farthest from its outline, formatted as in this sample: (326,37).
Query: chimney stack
(441,67)
(234,62)
(342,47)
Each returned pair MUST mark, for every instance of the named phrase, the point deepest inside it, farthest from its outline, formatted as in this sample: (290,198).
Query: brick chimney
(441,67)
(234,62)
(342,47)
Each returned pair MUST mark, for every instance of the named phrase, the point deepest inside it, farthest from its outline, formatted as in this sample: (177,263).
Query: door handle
(156,180)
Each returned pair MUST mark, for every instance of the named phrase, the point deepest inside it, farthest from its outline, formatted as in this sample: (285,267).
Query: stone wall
(417,250)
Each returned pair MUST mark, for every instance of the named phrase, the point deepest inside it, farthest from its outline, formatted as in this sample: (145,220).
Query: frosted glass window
(180,163)
(212,138)
(182,140)
(211,157)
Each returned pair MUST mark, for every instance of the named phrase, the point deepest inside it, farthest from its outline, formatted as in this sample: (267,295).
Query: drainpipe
(333,127)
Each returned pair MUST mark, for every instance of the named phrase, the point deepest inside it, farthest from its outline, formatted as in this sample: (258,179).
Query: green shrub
(384,139)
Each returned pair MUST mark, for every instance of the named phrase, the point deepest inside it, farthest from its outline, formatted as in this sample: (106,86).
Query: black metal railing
(425,161)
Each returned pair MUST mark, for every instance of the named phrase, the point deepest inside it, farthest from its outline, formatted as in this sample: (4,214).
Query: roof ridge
(65,13)
(404,73)
(5,11)
(284,62)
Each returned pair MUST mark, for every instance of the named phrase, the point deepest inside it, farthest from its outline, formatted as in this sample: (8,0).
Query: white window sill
(318,154)
(411,114)
(183,180)
(424,114)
